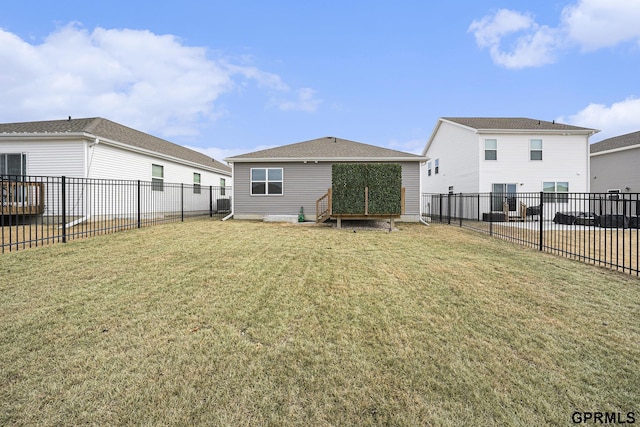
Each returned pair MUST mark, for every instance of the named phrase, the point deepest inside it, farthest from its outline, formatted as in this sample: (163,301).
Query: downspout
(89,158)
(233,191)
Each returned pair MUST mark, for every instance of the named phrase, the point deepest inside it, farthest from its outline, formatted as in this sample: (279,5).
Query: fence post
(182,202)
(461,212)
(211,201)
(491,213)
(139,206)
(64,209)
(478,206)
(541,234)
(440,205)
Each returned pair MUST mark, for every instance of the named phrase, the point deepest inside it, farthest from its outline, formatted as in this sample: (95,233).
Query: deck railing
(21,198)
(323,207)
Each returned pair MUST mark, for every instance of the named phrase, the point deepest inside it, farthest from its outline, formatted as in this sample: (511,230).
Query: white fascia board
(615,150)
(536,131)
(433,135)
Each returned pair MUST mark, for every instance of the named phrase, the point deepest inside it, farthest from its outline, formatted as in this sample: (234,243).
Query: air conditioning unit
(223,205)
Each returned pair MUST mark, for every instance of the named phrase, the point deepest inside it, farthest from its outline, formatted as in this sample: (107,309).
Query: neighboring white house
(100,149)
(506,155)
(615,164)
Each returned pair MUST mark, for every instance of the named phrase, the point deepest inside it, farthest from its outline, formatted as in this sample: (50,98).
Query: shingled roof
(326,149)
(514,123)
(622,141)
(106,129)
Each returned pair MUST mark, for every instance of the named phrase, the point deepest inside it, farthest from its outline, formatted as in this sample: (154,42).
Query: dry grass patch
(244,323)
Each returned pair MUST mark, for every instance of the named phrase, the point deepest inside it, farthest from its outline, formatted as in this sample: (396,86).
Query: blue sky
(229,78)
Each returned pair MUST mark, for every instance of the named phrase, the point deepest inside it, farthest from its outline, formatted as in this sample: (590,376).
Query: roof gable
(327,148)
(115,132)
(617,142)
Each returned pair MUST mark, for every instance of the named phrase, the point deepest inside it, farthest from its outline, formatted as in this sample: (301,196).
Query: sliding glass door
(502,193)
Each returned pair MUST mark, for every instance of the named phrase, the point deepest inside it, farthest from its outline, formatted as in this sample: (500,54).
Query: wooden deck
(324,209)
(22,198)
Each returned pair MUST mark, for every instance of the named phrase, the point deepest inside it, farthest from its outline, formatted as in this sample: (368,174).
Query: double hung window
(491,149)
(535,149)
(196,183)
(157,177)
(266,181)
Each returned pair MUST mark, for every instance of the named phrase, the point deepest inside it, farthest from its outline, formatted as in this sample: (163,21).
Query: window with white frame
(13,165)
(429,169)
(266,181)
(223,185)
(557,192)
(535,149)
(437,166)
(491,149)
(157,177)
(196,183)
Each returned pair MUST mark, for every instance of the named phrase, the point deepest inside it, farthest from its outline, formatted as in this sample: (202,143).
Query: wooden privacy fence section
(22,198)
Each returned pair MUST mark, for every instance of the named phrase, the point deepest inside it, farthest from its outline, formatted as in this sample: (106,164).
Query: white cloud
(305,101)
(588,24)
(490,29)
(618,119)
(151,82)
(595,24)
(414,146)
(534,45)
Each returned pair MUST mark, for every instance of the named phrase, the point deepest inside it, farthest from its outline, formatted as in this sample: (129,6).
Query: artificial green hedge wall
(350,179)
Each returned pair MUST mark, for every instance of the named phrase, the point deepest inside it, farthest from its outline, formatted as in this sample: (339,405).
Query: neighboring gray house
(281,180)
(615,164)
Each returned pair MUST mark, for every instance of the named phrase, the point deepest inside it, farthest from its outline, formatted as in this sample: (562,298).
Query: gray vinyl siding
(616,170)
(303,184)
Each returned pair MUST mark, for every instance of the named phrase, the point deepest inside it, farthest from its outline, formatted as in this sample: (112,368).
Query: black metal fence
(597,228)
(41,210)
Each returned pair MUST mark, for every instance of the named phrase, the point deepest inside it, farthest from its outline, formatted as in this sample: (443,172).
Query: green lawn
(246,323)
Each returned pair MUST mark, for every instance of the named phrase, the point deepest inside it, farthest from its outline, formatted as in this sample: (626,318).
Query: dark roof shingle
(621,141)
(107,129)
(326,148)
(513,123)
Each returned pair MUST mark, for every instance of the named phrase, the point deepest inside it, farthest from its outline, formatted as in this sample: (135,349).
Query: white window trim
(492,149)
(23,163)
(197,186)
(531,149)
(266,181)
(157,180)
